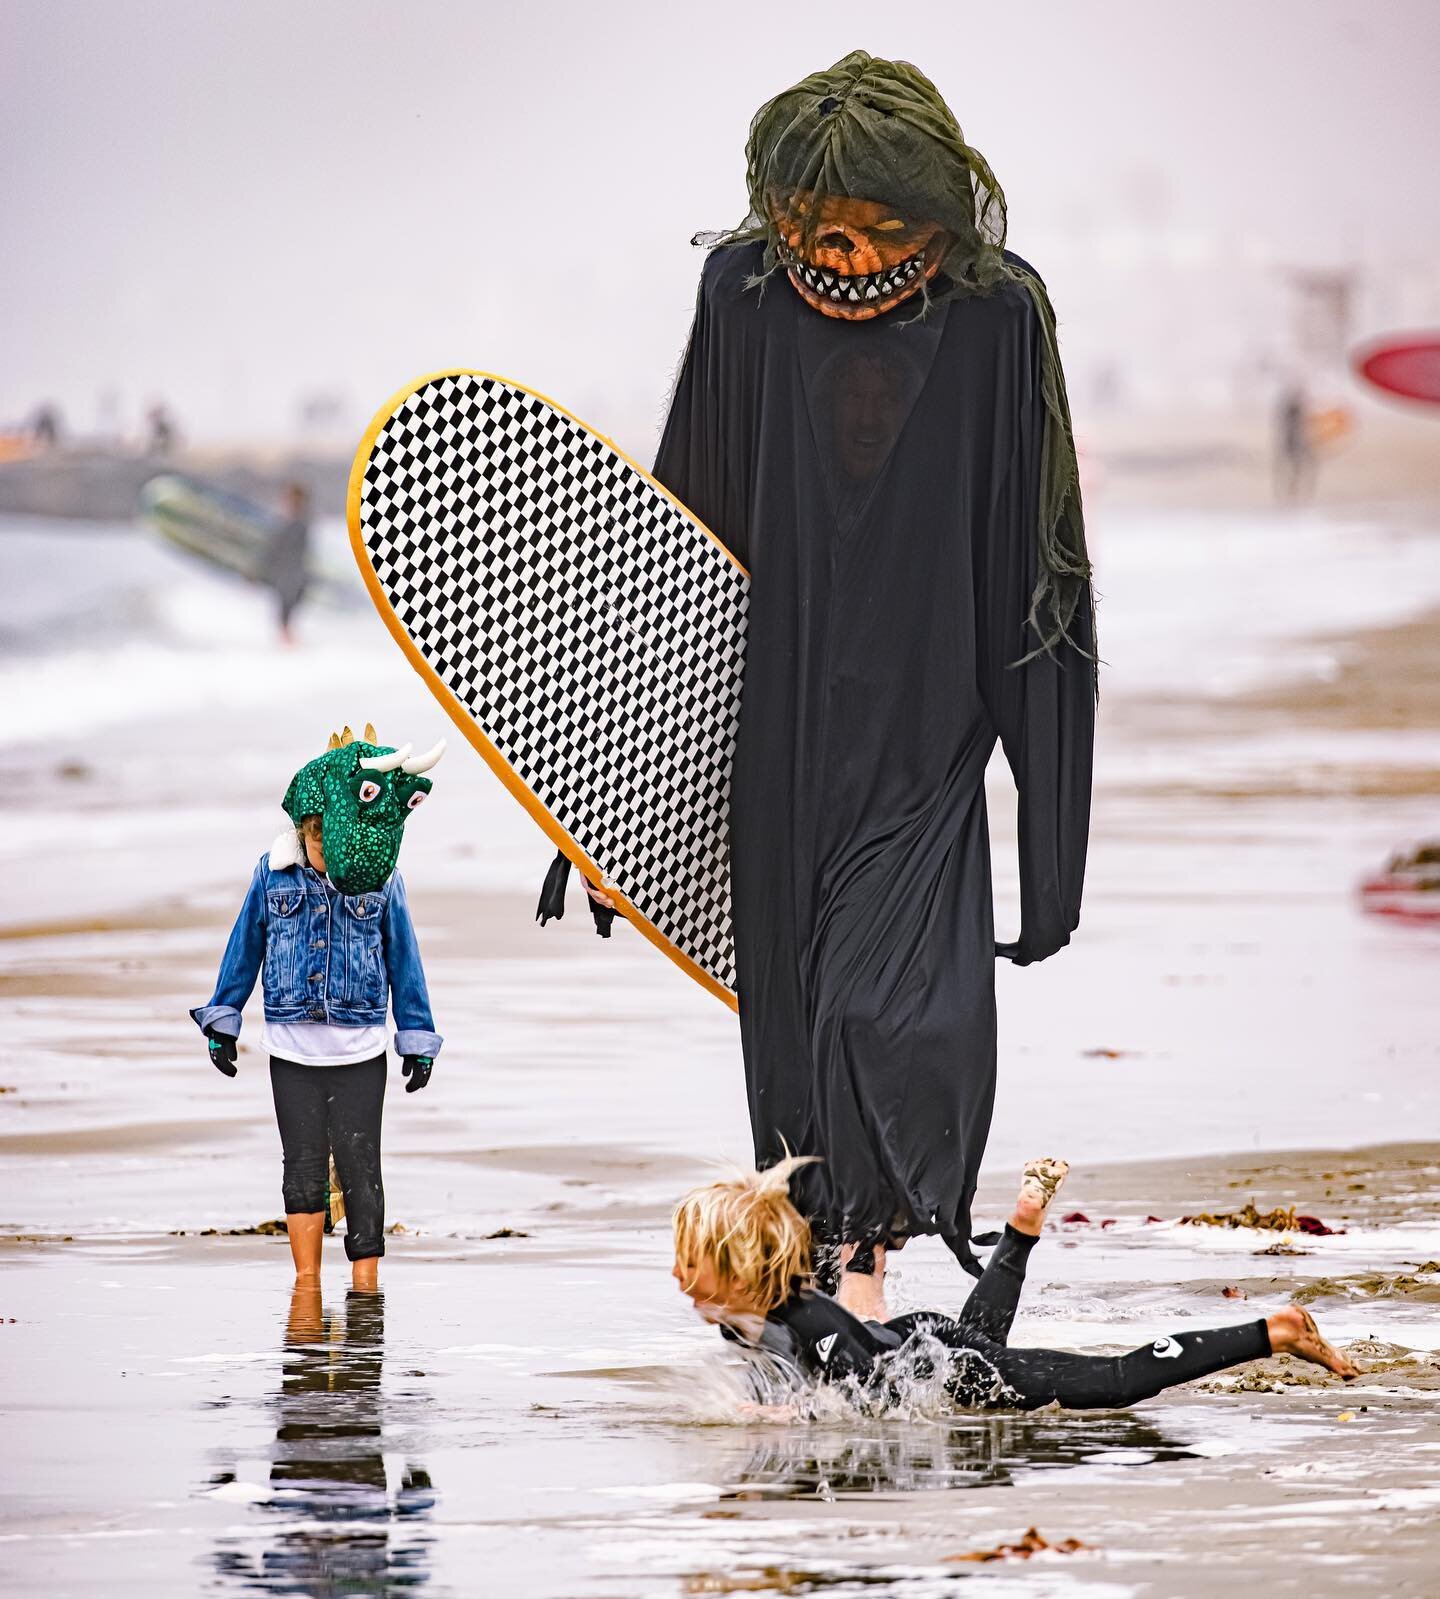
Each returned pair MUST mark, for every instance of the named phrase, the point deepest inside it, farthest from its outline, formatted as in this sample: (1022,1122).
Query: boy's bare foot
(1293,1332)
(863,1293)
(1039,1185)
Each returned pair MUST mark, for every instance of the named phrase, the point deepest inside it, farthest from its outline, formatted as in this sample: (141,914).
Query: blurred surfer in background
(46,427)
(161,434)
(883,439)
(1294,447)
(288,565)
(327,921)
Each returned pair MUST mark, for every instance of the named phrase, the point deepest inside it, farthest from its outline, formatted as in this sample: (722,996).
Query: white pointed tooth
(872,293)
(854,292)
(835,294)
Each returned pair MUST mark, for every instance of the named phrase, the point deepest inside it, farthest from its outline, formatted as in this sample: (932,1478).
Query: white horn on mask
(422,763)
(385,763)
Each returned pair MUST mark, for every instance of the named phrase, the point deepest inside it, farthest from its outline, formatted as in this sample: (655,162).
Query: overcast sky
(234,204)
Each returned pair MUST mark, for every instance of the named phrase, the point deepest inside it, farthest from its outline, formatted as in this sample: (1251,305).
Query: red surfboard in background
(1407,364)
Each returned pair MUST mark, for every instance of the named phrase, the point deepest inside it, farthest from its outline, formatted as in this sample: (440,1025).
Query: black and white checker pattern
(594,632)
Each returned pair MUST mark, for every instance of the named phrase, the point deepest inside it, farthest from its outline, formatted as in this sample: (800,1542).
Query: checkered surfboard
(579,626)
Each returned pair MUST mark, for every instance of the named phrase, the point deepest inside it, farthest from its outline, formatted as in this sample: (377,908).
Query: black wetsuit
(815,1337)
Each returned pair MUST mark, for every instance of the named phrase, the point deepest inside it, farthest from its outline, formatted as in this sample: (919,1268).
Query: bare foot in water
(1038,1187)
(1293,1332)
(863,1293)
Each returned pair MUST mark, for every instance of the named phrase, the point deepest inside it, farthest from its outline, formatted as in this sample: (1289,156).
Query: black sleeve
(1043,711)
(832,1342)
(696,456)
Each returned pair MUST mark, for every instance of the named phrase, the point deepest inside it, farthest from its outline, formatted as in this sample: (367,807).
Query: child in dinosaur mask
(327,921)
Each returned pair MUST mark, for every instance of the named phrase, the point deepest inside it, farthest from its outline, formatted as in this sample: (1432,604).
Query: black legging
(987,1372)
(325,1109)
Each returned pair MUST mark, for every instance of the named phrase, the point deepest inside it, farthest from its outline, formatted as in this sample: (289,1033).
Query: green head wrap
(878,130)
(363,793)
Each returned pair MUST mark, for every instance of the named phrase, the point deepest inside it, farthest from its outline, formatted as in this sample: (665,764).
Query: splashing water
(924,1380)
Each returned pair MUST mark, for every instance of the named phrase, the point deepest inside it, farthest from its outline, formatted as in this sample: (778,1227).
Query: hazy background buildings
(270,216)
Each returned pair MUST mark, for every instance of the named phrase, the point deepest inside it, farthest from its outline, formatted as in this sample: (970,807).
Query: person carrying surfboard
(883,440)
(327,920)
(288,558)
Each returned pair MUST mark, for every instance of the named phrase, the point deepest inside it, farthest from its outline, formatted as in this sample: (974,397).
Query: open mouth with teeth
(856,295)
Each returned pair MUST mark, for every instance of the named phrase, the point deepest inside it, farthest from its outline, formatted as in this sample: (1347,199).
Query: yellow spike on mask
(370,733)
(334,743)
(347,737)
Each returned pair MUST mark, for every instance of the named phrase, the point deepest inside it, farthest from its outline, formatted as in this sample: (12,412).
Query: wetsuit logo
(1166,1348)
(823,1348)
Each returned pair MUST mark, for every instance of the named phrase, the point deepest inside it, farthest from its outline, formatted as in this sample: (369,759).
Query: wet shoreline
(534,1401)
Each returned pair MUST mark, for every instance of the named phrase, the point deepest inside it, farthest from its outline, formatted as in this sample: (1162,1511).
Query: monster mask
(864,190)
(865,193)
(853,259)
(363,793)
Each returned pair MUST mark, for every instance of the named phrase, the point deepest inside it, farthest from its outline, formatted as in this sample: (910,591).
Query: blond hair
(749,1231)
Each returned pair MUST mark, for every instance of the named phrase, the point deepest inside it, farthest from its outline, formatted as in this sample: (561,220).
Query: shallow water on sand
(538,1413)
(530,1418)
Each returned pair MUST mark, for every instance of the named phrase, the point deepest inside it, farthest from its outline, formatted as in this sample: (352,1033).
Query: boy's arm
(409,999)
(239,966)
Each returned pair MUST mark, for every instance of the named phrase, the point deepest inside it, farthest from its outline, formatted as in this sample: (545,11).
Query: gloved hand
(417,1068)
(1026,950)
(223,1051)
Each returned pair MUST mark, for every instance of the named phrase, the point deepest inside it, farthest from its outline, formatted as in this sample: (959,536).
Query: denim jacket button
(317,1015)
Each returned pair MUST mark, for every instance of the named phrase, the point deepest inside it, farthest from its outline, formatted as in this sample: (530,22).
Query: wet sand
(539,1407)
(535,1412)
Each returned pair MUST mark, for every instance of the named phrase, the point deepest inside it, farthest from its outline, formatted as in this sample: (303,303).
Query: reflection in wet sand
(348,1508)
(968,1452)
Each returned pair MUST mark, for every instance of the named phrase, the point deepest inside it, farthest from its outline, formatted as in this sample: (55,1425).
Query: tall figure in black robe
(901,485)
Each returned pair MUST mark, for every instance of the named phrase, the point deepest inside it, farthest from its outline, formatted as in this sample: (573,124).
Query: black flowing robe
(881,482)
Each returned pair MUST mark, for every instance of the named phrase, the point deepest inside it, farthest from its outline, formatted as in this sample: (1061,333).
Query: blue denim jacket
(327,957)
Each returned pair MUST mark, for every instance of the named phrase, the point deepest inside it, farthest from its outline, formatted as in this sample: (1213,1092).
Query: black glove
(1026,951)
(552,898)
(417,1068)
(223,1051)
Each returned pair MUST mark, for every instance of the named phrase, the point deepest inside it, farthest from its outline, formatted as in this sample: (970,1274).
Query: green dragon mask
(362,791)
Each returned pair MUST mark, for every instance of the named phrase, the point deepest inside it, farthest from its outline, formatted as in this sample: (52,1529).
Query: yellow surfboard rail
(447,699)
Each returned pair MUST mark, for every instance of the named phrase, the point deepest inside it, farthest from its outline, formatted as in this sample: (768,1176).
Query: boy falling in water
(743,1255)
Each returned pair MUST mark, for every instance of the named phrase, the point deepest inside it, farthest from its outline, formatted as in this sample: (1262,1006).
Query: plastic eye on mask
(414,800)
(369,791)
